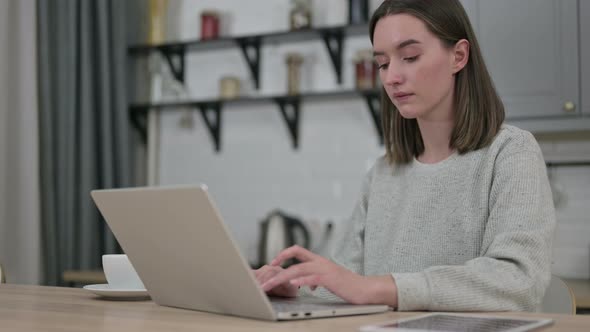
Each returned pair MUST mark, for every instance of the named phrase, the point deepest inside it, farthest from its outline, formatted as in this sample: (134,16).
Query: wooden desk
(38,308)
(581,290)
(580,287)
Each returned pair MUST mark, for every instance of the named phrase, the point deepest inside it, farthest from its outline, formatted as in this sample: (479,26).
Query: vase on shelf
(294,62)
(300,16)
(157,21)
(210,22)
(365,70)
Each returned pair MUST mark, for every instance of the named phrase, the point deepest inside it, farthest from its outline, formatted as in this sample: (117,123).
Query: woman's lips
(402,96)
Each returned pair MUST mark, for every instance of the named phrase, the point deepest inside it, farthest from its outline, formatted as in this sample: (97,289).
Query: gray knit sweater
(471,233)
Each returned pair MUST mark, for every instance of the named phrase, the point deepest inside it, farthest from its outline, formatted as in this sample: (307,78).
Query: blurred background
(271,103)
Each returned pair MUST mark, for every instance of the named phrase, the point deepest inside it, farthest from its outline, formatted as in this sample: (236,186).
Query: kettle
(280,231)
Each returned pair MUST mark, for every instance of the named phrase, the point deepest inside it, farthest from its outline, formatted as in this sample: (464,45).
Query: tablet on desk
(459,322)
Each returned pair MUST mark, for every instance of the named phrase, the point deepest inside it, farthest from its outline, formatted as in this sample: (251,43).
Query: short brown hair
(479,109)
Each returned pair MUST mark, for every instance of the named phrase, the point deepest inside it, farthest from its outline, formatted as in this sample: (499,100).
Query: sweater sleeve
(348,249)
(513,269)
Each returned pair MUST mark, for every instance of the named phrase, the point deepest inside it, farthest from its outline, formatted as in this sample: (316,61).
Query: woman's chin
(408,113)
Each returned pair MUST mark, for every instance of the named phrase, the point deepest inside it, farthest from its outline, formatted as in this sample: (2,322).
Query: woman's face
(416,70)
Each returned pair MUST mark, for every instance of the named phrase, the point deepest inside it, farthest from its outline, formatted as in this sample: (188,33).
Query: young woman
(458,215)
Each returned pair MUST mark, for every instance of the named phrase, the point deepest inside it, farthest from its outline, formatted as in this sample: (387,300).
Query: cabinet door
(531,50)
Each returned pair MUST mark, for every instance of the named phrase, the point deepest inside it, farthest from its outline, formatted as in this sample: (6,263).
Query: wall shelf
(250,45)
(568,163)
(333,38)
(289,107)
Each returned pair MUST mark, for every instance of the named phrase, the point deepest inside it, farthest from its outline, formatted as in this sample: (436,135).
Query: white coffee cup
(120,273)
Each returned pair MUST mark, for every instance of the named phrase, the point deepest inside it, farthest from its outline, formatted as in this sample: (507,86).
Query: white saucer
(105,290)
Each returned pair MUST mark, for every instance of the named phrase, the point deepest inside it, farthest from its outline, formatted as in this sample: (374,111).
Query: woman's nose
(392,76)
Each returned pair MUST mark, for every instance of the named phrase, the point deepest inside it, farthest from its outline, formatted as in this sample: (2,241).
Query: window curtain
(86,141)
(19,162)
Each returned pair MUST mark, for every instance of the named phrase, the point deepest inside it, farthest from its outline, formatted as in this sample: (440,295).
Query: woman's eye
(411,59)
(382,66)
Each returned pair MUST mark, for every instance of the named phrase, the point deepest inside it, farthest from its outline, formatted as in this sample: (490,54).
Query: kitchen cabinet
(531,48)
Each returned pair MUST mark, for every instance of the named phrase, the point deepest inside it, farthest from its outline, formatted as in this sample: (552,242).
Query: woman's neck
(436,136)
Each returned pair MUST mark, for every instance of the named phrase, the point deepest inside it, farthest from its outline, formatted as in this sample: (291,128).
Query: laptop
(186,257)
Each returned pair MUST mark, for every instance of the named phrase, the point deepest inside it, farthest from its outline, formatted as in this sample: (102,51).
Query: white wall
(257,170)
(19,187)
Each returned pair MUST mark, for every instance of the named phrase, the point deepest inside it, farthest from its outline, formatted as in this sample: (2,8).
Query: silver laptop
(186,257)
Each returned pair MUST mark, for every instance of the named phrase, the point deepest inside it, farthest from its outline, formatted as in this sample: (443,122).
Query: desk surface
(580,287)
(38,308)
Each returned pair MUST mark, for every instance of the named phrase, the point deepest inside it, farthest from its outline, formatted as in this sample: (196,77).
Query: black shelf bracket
(211,114)
(333,39)
(175,56)
(572,163)
(138,117)
(373,102)
(290,110)
(250,47)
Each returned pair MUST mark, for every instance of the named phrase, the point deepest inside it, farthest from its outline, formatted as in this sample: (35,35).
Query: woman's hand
(315,270)
(266,272)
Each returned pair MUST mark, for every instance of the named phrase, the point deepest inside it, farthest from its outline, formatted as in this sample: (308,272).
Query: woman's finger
(294,271)
(261,271)
(298,252)
(258,271)
(269,273)
(312,281)
(284,290)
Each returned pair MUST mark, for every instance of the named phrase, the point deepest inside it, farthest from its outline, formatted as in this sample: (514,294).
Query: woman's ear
(460,55)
